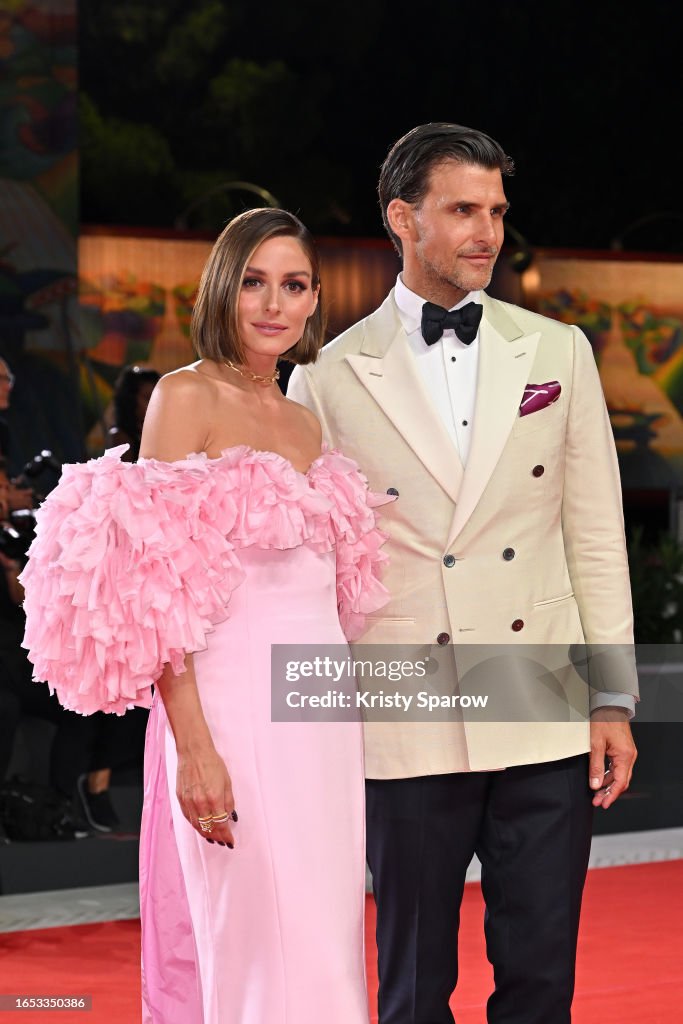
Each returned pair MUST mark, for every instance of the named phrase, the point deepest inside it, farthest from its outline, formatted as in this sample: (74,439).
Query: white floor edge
(120,902)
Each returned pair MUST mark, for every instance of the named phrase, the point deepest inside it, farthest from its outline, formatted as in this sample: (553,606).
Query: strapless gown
(136,565)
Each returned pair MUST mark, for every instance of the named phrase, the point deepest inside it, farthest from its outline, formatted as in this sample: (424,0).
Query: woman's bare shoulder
(178,415)
(186,380)
(307,420)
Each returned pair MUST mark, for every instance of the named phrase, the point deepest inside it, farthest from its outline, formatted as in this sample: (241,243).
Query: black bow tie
(464,321)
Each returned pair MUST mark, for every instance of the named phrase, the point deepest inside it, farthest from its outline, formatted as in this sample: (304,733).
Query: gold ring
(220,818)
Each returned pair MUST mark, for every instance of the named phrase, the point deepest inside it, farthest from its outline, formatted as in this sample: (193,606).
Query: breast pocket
(550,419)
(536,451)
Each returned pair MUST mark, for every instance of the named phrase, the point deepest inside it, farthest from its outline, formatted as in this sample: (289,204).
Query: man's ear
(401,219)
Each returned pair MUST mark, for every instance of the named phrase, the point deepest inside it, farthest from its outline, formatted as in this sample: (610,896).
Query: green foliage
(657,589)
(128,165)
(179,98)
(191,43)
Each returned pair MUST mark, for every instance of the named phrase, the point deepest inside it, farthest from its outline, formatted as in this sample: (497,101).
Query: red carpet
(630,967)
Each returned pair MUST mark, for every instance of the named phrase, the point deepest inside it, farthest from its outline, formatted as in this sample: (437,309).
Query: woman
(233,532)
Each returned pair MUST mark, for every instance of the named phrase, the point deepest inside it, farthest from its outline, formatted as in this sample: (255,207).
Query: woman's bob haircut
(215,328)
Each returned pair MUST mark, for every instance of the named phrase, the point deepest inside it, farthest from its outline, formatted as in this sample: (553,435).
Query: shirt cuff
(610,699)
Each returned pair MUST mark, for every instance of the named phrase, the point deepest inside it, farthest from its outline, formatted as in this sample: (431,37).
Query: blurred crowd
(65,794)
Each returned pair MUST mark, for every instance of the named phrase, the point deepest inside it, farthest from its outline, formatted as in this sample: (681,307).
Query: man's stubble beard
(442,277)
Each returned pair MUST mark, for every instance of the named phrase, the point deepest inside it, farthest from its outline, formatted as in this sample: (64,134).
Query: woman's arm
(203,785)
(176,424)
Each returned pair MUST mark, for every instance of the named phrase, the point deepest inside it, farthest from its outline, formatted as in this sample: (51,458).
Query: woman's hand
(204,791)
(203,786)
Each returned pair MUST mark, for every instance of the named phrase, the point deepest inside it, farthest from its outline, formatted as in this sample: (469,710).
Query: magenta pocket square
(538,396)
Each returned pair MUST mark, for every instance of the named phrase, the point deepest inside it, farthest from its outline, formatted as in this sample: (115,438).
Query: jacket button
(517,625)
(538,470)
(449,561)
(509,554)
(392,491)
(442,639)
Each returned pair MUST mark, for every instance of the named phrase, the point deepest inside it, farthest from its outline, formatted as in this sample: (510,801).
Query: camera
(45,460)
(16,534)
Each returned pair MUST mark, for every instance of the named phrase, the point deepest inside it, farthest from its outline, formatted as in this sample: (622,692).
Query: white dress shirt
(448,369)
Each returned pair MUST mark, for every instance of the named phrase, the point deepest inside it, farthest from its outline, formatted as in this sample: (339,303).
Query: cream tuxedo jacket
(534,524)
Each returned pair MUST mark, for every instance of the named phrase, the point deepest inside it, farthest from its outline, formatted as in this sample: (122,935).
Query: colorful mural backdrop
(137,296)
(39,322)
(632,312)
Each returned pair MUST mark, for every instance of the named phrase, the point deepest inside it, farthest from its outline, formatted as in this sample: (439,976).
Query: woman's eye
(250,282)
(295,286)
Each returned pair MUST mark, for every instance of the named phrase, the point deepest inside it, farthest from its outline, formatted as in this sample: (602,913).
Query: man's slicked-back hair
(409,162)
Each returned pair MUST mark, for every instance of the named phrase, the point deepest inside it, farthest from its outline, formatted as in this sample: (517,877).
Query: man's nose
(487,230)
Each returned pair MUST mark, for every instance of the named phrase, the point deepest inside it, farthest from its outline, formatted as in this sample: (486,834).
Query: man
(507,529)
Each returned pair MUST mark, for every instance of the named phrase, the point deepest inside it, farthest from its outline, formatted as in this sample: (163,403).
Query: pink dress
(135,565)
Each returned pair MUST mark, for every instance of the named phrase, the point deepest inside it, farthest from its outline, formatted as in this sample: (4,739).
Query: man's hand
(611,738)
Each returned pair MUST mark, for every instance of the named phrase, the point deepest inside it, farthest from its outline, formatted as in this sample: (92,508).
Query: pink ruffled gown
(135,565)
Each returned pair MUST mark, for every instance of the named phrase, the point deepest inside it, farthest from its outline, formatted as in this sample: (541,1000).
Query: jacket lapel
(386,368)
(505,360)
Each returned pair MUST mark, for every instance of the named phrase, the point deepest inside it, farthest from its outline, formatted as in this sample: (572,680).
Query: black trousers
(71,743)
(10,712)
(530,826)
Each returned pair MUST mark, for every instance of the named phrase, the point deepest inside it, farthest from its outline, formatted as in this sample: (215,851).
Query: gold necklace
(250,375)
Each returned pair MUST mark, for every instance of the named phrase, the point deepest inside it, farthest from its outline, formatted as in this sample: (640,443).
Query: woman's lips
(272,329)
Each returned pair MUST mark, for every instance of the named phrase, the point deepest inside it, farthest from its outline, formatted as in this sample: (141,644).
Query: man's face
(457,229)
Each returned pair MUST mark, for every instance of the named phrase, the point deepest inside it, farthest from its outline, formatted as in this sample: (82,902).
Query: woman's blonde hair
(215,325)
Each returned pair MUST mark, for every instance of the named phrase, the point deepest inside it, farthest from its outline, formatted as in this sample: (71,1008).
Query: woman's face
(276,298)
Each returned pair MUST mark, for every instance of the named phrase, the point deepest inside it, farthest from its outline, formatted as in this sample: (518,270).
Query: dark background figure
(20,696)
(15,671)
(10,713)
(18,496)
(118,742)
(132,393)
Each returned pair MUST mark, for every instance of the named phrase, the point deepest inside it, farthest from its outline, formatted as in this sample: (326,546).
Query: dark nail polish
(220,843)
(234,816)
(231,846)
(210,841)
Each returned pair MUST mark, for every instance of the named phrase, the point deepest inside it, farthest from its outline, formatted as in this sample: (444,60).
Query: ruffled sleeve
(130,568)
(358,540)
